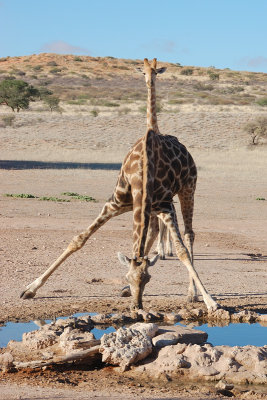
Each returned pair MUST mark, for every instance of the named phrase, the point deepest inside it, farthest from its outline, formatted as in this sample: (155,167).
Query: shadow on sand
(17,164)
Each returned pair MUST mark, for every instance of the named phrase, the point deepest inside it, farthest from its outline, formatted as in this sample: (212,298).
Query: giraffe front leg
(168,244)
(110,210)
(169,218)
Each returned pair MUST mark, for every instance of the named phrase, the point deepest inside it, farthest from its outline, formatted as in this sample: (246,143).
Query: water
(236,334)
(15,330)
(231,335)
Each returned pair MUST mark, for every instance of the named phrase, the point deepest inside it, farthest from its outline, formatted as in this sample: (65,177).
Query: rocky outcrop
(127,346)
(240,365)
(169,350)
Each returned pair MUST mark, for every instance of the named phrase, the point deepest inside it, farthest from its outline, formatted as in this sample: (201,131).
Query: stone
(196,312)
(262,319)
(148,329)
(222,385)
(184,334)
(124,347)
(39,339)
(6,361)
(74,339)
(156,316)
(99,319)
(244,316)
(171,317)
(219,314)
(184,314)
(165,339)
(146,316)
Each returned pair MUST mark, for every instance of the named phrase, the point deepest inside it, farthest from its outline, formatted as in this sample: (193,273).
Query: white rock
(124,347)
(148,329)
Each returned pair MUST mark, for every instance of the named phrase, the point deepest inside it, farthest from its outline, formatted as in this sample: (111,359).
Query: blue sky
(221,33)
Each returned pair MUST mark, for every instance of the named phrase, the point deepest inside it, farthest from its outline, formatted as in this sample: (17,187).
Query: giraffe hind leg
(186,197)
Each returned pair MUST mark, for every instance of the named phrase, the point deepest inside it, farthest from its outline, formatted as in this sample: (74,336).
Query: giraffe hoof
(170,254)
(162,257)
(215,307)
(192,298)
(27,294)
(125,292)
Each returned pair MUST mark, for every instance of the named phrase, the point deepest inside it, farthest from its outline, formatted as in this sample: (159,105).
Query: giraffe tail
(148,186)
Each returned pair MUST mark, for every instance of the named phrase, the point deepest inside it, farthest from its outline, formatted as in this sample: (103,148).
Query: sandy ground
(230,246)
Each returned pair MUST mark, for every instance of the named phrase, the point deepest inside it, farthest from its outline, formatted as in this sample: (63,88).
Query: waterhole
(234,334)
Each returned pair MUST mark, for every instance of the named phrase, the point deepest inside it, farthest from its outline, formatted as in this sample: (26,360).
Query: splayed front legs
(110,210)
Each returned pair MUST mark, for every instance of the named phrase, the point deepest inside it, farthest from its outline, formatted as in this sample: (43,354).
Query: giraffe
(186,186)
(154,170)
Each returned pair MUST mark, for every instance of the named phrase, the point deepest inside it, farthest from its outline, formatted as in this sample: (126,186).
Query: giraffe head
(137,276)
(150,71)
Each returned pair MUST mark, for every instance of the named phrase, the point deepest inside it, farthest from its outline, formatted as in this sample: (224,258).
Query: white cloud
(61,47)
(259,61)
(164,46)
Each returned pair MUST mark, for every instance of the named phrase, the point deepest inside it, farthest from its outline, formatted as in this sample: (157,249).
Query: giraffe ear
(161,70)
(124,260)
(154,260)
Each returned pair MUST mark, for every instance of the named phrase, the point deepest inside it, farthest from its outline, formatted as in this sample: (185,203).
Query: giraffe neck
(151,110)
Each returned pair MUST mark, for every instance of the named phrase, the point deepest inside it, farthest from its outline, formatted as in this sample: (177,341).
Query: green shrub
(159,108)
(256,129)
(37,68)
(20,196)
(202,86)
(176,101)
(124,111)
(187,71)
(78,196)
(94,113)
(262,102)
(55,70)
(213,75)
(52,102)
(78,59)
(8,119)
(52,64)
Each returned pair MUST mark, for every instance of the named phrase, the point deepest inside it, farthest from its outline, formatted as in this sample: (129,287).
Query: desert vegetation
(112,83)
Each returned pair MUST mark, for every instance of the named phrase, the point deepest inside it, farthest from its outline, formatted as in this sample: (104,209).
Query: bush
(55,70)
(94,113)
(52,64)
(78,59)
(262,102)
(17,94)
(213,75)
(8,119)
(52,102)
(202,86)
(37,68)
(187,71)
(257,129)
(159,108)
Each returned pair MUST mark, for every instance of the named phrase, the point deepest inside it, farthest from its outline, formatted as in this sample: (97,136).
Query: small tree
(52,102)
(257,129)
(17,94)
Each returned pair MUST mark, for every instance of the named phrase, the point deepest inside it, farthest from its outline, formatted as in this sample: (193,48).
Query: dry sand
(230,226)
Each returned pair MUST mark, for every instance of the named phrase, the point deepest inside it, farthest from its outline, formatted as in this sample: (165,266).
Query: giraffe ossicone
(155,169)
